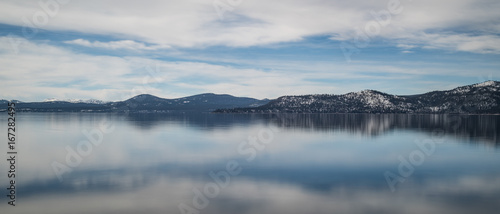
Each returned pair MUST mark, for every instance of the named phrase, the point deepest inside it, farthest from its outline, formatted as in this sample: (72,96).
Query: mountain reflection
(474,127)
(316,163)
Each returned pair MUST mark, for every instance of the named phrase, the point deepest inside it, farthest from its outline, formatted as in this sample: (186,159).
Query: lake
(246,163)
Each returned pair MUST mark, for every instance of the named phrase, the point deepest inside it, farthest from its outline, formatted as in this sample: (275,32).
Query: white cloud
(406,46)
(485,44)
(43,71)
(122,44)
(478,44)
(195,23)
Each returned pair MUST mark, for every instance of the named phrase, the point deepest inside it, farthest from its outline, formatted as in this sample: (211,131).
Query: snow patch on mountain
(89,101)
(487,83)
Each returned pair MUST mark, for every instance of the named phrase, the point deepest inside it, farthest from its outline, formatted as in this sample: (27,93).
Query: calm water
(218,163)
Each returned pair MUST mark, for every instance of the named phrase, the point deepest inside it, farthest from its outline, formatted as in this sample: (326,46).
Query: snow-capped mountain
(200,102)
(144,103)
(89,101)
(483,98)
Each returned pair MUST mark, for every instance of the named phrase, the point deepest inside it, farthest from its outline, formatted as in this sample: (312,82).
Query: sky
(113,50)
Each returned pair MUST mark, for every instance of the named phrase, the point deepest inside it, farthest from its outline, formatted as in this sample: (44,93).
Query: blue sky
(114,50)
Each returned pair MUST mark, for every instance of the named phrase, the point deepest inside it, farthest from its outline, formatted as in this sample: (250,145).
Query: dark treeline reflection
(474,127)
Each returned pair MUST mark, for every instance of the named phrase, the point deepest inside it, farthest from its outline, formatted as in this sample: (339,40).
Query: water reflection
(484,127)
(163,194)
(330,163)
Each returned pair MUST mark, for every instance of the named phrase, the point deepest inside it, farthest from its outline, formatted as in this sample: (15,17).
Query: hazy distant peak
(90,101)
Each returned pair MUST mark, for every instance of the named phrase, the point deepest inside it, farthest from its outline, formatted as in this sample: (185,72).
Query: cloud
(122,44)
(483,44)
(46,71)
(468,43)
(406,46)
(196,23)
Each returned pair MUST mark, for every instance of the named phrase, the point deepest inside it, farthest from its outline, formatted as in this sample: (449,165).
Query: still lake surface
(226,163)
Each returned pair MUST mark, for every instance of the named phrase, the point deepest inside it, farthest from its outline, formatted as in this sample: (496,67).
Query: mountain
(58,106)
(201,102)
(2,102)
(89,101)
(142,103)
(481,98)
